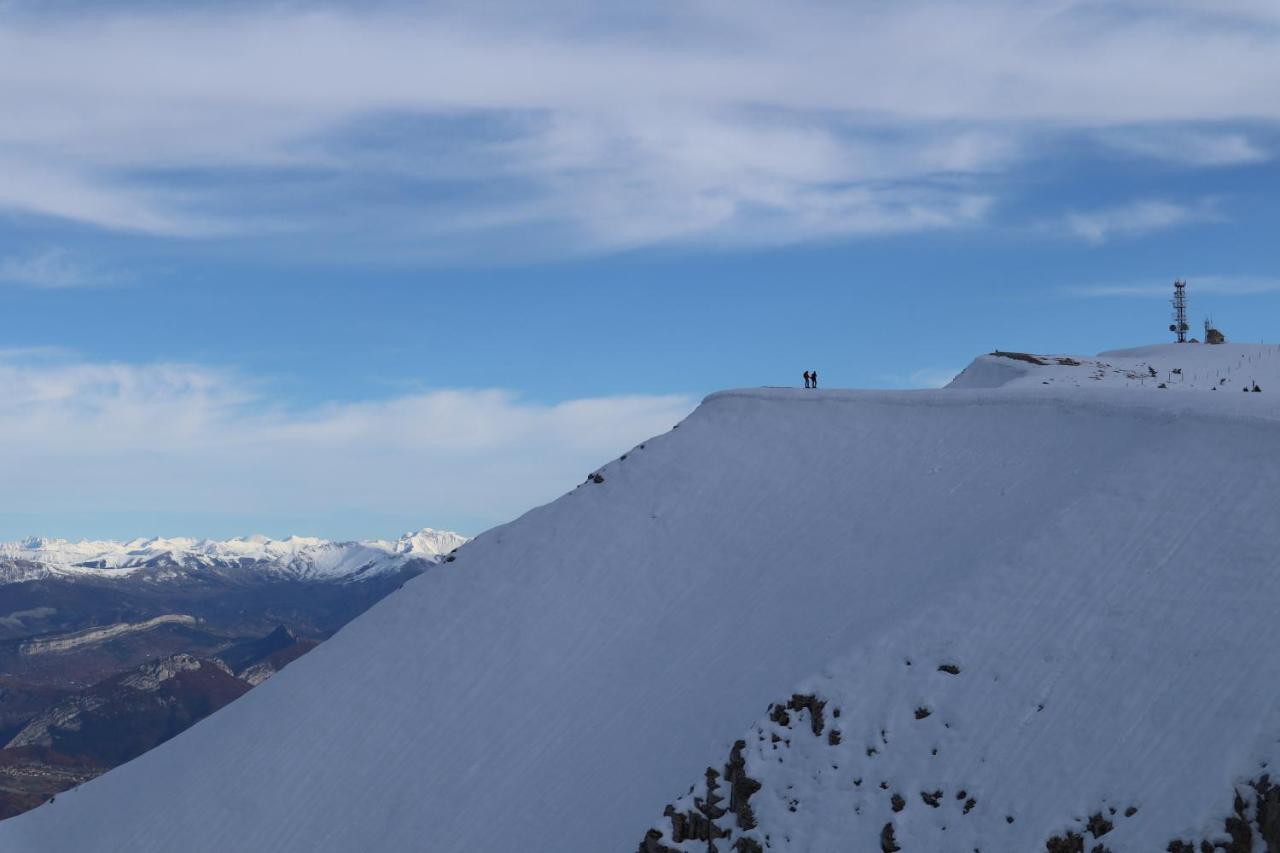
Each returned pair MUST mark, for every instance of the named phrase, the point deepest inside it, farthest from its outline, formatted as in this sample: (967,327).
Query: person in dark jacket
(806,379)
(813,378)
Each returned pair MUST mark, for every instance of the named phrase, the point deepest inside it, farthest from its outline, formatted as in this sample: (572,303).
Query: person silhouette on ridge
(813,378)
(806,379)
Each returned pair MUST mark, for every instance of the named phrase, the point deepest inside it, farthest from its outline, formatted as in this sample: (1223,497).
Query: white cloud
(1137,218)
(184,437)
(709,121)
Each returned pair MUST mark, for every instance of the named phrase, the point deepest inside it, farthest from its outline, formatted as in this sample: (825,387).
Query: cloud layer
(752,122)
(1139,217)
(143,438)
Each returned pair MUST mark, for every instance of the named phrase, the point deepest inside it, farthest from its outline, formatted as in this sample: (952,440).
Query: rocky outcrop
(709,818)
(702,821)
(146,705)
(1255,815)
(781,713)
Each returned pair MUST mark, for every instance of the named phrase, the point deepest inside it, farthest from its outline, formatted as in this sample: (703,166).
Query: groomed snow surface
(1100,566)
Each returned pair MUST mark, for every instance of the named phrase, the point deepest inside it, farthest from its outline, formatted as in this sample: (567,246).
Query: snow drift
(1097,566)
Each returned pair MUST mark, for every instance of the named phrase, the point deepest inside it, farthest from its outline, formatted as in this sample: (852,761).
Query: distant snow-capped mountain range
(297,557)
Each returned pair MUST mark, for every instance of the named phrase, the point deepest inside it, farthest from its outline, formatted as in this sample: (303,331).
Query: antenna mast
(1179,325)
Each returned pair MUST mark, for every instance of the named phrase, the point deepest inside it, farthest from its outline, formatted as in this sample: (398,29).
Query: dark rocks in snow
(1020,356)
(949,668)
(1241,824)
(888,842)
(814,706)
(1268,813)
(1072,842)
(699,823)
(596,478)
(1239,830)
(741,787)
(710,807)
(706,820)
(653,843)
(781,715)
(1099,826)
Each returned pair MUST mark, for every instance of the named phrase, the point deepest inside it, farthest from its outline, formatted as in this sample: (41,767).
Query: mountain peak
(994,613)
(295,556)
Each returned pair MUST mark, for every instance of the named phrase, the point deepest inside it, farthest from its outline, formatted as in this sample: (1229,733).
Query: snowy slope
(1100,566)
(297,557)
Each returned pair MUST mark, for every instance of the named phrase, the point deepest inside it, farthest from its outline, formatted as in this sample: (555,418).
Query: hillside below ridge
(1107,613)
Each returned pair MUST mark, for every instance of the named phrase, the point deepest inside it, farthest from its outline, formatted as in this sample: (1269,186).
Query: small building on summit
(1212,335)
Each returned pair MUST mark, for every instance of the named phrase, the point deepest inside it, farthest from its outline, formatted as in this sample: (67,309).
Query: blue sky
(343,271)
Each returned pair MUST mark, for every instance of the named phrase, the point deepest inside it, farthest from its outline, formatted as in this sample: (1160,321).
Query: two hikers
(811,379)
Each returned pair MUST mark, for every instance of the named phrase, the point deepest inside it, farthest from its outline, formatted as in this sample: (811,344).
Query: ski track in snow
(1100,564)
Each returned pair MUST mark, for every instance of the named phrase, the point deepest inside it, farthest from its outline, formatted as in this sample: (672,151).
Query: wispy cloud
(50,268)
(1226,285)
(1137,218)
(1197,148)
(77,434)
(751,122)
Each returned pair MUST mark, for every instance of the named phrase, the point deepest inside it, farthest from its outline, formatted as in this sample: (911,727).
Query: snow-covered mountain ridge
(297,557)
(1160,367)
(1000,613)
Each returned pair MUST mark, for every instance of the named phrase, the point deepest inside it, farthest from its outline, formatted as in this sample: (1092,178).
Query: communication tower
(1179,325)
